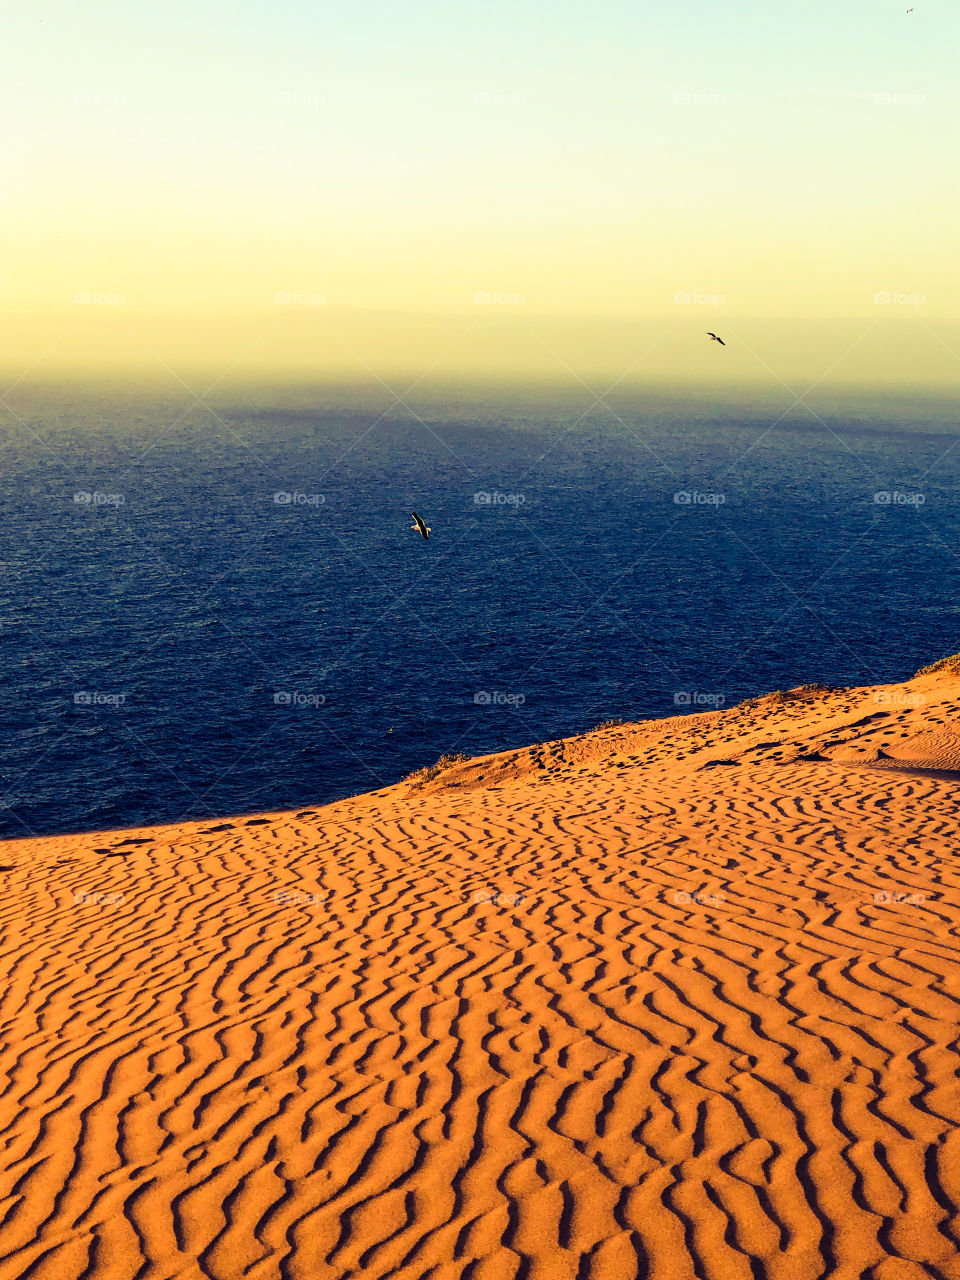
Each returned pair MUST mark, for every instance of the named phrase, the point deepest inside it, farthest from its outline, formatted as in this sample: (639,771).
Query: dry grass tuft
(951,664)
(422,776)
(800,694)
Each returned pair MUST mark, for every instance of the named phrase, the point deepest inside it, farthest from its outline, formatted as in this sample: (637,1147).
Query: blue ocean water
(177,641)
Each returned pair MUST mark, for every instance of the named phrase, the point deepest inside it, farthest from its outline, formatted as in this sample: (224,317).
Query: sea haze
(177,642)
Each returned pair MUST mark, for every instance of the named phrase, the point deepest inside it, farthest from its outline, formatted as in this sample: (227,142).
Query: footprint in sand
(258,822)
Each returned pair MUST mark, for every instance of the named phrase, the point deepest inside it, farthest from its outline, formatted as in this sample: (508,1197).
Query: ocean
(219,607)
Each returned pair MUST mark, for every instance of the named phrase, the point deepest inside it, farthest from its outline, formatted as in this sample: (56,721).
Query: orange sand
(676,1000)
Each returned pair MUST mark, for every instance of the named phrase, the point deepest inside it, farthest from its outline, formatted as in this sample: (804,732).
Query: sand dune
(676,1000)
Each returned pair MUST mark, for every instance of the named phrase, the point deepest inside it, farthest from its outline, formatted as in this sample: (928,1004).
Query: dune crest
(677,999)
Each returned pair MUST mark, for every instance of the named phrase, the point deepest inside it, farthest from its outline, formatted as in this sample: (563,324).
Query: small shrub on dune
(422,776)
(765,699)
(950,665)
(779,696)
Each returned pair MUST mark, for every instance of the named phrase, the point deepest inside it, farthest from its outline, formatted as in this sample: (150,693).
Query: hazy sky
(608,159)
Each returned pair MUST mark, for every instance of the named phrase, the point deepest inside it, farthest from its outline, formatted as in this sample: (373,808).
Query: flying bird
(425,530)
(714,338)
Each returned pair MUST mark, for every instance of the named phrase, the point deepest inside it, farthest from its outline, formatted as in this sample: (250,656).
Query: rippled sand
(676,1000)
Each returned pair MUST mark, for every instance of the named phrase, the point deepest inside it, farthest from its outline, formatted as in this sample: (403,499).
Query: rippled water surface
(179,642)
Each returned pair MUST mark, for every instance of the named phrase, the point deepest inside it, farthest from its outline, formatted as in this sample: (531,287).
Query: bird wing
(420,525)
(721,341)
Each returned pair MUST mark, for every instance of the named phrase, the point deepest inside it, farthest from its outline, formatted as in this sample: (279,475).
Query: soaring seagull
(424,529)
(714,337)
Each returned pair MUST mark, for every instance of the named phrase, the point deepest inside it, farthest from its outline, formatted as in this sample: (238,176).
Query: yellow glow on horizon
(408,161)
(302,341)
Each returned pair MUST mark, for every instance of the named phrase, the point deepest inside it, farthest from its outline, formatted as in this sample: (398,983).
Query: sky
(181,177)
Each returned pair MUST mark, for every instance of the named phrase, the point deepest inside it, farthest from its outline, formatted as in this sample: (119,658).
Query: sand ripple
(677,1000)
